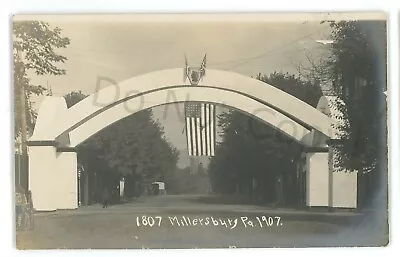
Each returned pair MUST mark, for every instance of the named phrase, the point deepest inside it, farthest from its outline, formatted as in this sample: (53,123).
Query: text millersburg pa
(186,221)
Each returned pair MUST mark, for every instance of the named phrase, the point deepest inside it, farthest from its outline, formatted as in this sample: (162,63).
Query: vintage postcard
(153,131)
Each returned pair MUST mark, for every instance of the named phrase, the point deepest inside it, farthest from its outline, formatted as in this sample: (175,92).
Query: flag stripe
(193,123)
(212,132)
(203,130)
(208,128)
(215,128)
(188,135)
(199,150)
(196,134)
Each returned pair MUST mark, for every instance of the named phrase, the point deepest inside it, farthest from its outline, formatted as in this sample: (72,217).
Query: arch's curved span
(176,95)
(292,107)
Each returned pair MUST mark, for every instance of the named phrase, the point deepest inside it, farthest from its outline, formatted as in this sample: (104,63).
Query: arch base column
(67,176)
(52,178)
(318,179)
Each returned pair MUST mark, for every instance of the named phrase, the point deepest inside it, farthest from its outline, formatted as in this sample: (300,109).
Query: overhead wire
(245,60)
(271,52)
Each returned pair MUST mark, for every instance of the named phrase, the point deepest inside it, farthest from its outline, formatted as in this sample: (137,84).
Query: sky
(120,49)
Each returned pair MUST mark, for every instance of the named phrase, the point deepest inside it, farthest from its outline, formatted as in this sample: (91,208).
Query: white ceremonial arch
(59,130)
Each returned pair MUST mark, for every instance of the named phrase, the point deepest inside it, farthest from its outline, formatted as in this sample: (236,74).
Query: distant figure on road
(279,189)
(121,188)
(105,197)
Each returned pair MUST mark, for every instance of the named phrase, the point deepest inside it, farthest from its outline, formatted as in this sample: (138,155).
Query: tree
(74,97)
(357,69)
(134,147)
(253,151)
(304,90)
(34,45)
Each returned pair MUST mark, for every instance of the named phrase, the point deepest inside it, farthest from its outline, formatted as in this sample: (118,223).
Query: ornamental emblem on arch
(195,74)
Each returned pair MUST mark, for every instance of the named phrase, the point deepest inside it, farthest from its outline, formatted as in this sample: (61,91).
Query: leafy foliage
(38,41)
(357,69)
(137,145)
(134,146)
(34,45)
(74,97)
(251,149)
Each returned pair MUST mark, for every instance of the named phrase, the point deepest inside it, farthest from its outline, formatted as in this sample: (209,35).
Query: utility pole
(24,129)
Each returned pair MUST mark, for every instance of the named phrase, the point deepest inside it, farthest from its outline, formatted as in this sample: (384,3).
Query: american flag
(200,128)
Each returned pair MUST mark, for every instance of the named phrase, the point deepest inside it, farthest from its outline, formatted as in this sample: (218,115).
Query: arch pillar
(318,182)
(67,176)
(53,177)
(317,168)
(42,179)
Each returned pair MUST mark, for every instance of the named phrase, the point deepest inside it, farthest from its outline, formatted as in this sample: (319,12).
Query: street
(188,221)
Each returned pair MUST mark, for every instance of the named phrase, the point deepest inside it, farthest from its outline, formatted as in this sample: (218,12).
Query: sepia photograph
(183,131)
